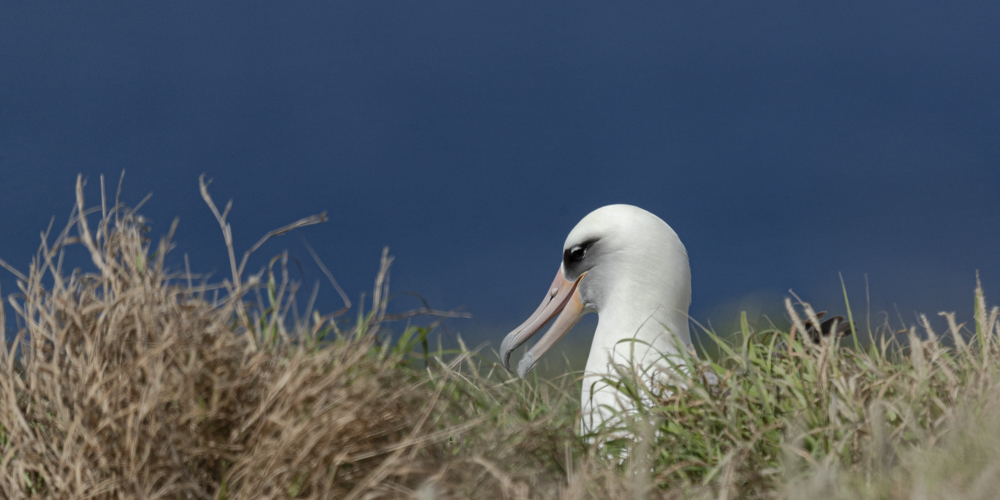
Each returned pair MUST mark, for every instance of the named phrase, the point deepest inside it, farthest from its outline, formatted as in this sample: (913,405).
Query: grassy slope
(132,383)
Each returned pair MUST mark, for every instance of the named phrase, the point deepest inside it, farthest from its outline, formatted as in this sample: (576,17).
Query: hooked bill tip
(505,353)
(525,365)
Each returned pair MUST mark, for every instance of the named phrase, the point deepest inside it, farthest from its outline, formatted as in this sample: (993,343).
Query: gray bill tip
(525,365)
(505,352)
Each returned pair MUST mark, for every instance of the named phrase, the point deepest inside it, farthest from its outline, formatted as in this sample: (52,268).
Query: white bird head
(629,267)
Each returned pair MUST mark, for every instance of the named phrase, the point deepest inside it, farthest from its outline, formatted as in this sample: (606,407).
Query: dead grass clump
(129,383)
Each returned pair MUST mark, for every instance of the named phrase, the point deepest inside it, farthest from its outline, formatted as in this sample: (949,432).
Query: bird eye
(576,253)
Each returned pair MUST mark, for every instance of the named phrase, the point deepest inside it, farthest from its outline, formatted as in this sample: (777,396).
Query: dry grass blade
(308,221)
(333,281)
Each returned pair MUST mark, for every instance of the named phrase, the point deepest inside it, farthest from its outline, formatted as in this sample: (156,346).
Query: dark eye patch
(577,253)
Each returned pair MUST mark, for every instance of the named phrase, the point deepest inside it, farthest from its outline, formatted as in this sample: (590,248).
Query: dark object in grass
(836,325)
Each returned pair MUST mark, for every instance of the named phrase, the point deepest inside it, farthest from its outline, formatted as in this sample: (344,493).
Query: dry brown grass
(132,381)
(129,383)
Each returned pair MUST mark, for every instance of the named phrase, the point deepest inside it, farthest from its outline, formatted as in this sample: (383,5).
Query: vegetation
(133,381)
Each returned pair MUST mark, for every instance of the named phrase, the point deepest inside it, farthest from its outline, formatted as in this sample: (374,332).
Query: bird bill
(563,300)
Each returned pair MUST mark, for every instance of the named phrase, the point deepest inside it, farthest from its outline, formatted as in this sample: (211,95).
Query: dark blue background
(784,142)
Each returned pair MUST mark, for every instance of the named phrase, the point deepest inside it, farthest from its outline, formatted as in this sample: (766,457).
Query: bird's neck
(638,336)
(641,340)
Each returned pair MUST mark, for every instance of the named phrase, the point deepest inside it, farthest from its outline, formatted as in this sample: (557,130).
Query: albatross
(629,267)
